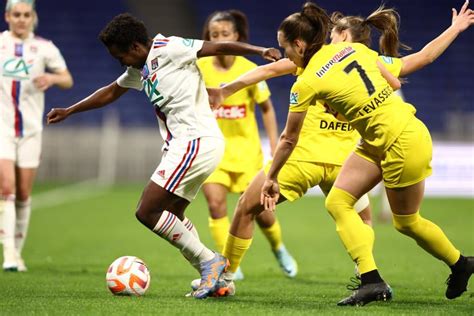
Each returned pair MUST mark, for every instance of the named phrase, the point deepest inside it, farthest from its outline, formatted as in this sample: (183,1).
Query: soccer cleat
(210,272)
(223,288)
(286,261)
(364,294)
(21,265)
(457,281)
(10,266)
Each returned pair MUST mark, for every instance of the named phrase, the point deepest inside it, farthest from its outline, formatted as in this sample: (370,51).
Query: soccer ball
(128,275)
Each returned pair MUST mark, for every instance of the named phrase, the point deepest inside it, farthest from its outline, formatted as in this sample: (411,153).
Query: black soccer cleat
(364,294)
(457,281)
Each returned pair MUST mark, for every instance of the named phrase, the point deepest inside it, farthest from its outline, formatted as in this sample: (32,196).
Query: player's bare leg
(163,212)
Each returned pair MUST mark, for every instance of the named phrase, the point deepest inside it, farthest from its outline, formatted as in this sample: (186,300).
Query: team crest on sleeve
(188,42)
(294,96)
(387,59)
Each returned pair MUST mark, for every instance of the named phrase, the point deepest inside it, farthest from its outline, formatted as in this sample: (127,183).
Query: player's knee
(217,208)
(406,224)
(245,207)
(339,201)
(331,203)
(145,217)
(7,189)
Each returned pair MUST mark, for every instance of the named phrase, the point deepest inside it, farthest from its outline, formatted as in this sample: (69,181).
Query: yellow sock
(357,237)
(219,229)
(273,234)
(235,249)
(428,236)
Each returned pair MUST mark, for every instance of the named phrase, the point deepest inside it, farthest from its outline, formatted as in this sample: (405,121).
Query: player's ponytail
(311,25)
(387,21)
(236,17)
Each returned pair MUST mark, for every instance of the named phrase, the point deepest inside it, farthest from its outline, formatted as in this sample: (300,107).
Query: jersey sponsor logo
(231,112)
(17,68)
(387,59)
(294,96)
(376,101)
(335,126)
(150,87)
(340,56)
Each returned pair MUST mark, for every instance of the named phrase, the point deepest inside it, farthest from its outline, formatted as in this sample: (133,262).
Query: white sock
(9,219)
(190,226)
(23,211)
(173,230)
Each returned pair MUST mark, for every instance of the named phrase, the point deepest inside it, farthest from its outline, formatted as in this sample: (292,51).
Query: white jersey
(21,61)
(174,86)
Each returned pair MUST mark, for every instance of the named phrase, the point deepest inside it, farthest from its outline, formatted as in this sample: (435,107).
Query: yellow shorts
(297,177)
(408,160)
(235,182)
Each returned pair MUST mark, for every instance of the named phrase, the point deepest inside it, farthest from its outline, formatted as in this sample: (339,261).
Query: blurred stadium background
(121,143)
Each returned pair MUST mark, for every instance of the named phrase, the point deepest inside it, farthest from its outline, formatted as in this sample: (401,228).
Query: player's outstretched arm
(280,68)
(429,53)
(237,49)
(99,98)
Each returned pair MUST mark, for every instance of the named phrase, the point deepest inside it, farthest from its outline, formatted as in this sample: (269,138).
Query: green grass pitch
(71,245)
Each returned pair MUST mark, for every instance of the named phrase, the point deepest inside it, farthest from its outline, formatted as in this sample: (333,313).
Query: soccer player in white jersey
(29,65)
(165,67)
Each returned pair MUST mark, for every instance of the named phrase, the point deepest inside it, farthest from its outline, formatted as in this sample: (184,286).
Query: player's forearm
(283,151)
(63,80)
(98,99)
(429,53)
(271,126)
(237,48)
(264,72)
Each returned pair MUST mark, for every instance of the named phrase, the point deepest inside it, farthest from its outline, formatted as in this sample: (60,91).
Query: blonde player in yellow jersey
(395,147)
(237,121)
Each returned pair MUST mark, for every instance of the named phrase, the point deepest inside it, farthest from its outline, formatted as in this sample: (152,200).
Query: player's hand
(215,97)
(56,115)
(270,194)
(44,81)
(271,54)
(464,19)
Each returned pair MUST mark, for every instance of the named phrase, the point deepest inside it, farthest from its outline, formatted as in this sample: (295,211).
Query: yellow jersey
(236,116)
(393,64)
(345,76)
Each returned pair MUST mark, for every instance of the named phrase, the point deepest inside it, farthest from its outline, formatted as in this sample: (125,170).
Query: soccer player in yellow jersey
(395,147)
(313,135)
(243,156)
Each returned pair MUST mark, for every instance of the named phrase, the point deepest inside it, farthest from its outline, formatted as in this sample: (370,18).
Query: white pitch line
(69,193)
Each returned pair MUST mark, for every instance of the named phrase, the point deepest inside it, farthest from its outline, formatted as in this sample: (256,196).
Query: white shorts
(24,151)
(185,166)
